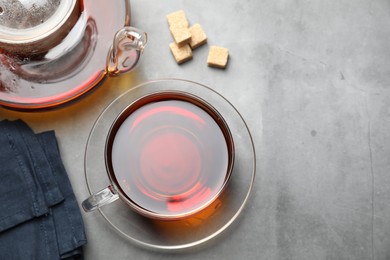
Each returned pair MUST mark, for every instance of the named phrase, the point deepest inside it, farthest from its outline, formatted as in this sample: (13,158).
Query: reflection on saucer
(184,227)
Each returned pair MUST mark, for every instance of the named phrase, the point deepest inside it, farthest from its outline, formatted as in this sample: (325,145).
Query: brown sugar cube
(177,19)
(218,57)
(198,37)
(181,54)
(181,35)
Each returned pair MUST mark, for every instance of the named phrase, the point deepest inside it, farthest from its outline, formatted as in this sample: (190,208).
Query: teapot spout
(128,45)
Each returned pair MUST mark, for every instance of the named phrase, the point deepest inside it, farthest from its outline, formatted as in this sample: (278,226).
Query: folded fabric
(39,214)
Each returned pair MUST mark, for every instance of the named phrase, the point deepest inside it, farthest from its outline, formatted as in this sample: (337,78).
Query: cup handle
(128,45)
(99,199)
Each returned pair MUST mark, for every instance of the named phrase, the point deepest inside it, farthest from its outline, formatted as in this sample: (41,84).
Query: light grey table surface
(312,81)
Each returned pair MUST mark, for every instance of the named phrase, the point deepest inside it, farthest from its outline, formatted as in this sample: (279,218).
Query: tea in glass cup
(168,155)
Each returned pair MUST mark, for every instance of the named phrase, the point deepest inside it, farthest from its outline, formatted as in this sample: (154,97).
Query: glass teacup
(168,156)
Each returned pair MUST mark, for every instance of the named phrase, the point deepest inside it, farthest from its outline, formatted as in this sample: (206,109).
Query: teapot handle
(128,45)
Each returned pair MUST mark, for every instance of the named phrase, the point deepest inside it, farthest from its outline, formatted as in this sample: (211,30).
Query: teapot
(56,51)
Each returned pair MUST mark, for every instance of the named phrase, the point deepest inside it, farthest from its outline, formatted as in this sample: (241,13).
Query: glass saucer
(70,69)
(177,234)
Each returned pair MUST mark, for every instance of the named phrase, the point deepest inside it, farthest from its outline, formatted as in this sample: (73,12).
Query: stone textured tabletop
(312,81)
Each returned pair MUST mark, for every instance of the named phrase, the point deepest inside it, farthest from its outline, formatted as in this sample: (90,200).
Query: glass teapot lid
(33,26)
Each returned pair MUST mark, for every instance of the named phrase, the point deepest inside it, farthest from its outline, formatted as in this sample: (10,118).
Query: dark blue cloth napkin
(39,214)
